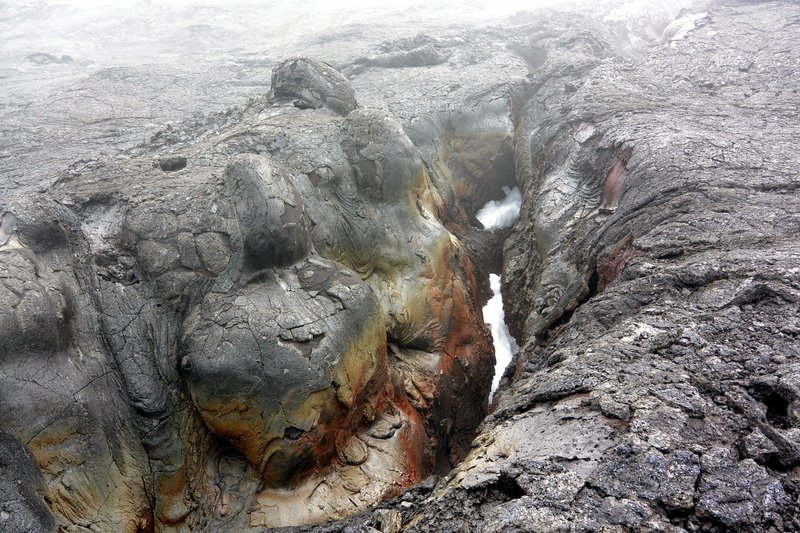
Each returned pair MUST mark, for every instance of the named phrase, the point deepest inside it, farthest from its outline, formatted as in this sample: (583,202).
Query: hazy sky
(124,32)
(119,32)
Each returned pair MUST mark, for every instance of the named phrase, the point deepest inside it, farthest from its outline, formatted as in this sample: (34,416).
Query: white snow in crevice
(500,214)
(504,344)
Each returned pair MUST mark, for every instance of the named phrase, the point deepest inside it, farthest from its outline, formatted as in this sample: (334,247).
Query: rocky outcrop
(276,321)
(283,326)
(314,85)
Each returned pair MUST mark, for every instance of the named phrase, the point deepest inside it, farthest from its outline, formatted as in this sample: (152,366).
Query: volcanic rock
(270,316)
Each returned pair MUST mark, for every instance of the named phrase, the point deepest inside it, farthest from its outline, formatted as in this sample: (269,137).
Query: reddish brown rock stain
(613,262)
(171,510)
(614,181)
(413,441)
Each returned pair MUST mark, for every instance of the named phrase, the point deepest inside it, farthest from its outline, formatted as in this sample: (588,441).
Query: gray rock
(22,488)
(314,85)
(284,329)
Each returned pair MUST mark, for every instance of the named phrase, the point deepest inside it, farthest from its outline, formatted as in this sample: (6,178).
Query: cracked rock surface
(270,317)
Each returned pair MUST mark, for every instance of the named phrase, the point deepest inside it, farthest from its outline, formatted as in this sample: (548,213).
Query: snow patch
(504,344)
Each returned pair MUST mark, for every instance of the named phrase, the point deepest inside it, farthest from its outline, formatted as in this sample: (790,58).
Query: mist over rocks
(269,315)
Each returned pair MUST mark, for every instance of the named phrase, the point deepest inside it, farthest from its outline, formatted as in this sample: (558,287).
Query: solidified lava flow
(271,313)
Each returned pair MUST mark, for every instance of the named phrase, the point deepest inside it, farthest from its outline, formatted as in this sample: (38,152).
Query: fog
(127,32)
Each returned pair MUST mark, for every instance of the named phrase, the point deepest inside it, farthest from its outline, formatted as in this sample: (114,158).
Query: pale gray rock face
(271,317)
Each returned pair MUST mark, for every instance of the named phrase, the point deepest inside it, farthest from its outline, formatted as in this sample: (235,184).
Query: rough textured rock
(314,84)
(273,318)
(22,489)
(653,276)
(245,311)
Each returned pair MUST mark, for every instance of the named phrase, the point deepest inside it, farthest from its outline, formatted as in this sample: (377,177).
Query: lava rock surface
(270,317)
